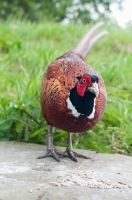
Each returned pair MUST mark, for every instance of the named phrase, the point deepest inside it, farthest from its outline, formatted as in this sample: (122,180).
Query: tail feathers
(88,41)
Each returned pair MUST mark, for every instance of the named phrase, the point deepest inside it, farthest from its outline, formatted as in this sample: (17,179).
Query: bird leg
(69,152)
(50,147)
(51,152)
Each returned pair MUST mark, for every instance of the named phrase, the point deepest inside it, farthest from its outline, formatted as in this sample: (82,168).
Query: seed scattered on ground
(30,190)
(123,183)
(87,179)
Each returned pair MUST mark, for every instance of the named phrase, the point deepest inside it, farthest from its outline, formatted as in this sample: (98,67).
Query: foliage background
(27,48)
(29,43)
(56,10)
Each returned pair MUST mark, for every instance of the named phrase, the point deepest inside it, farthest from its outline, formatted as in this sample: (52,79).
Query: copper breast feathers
(58,81)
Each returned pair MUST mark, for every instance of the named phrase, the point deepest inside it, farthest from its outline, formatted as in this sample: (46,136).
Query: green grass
(26,49)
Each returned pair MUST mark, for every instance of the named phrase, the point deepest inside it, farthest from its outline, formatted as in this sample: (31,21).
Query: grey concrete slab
(22,176)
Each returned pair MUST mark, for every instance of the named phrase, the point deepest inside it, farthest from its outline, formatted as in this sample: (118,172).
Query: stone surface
(22,176)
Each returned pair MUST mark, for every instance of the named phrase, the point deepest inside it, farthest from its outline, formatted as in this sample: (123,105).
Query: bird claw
(71,154)
(67,153)
(50,153)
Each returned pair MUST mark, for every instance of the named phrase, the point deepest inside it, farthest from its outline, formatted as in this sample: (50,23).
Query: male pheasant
(73,95)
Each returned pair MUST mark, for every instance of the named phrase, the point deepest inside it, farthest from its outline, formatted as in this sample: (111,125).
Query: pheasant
(73,96)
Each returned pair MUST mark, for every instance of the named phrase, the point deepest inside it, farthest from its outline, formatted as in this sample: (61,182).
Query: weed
(26,49)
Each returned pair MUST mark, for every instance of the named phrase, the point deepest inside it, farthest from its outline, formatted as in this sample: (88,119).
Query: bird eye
(83,80)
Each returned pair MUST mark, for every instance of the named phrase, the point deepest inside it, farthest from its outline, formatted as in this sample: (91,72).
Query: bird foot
(67,153)
(50,153)
(71,154)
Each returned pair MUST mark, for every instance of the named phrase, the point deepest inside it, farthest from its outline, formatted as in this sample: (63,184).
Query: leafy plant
(26,49)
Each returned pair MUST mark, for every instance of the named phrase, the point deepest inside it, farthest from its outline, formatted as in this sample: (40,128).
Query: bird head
(87,83)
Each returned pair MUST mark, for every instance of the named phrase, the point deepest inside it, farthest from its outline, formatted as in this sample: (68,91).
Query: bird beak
(94,89)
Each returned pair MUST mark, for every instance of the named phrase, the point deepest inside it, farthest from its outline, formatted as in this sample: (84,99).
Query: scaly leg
(69,152)
(50,147)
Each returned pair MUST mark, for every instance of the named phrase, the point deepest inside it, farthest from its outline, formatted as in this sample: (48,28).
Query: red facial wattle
(81,88)
(88,80)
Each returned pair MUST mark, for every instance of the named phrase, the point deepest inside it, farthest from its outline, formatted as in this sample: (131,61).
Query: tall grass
(26,49)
